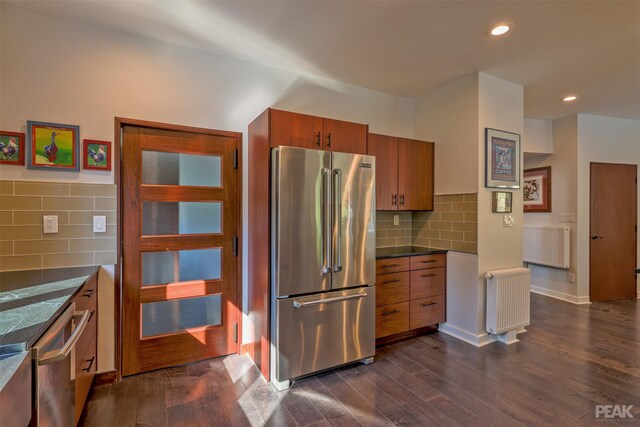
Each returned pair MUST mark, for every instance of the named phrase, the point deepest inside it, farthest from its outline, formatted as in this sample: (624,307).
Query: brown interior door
(415,175)
(385,148)
(344,137)
(295,130)
(613,231)
(180,207)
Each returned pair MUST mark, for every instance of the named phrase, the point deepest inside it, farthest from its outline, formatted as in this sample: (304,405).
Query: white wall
(604,140)
(537,136)
(501,106)
(58,70)
(564,199)
(449,116)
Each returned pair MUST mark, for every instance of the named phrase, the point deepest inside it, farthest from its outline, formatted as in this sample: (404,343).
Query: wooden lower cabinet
(86,350)
(410,297)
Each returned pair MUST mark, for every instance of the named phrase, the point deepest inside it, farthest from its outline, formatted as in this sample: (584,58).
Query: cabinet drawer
(392,319)
(90,331)
(87,294)
(392,265)
(85,368)
(427,311)
(428,261)
(428,283)
(392,288)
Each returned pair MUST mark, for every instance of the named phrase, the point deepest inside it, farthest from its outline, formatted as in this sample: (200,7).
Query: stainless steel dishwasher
(54,398)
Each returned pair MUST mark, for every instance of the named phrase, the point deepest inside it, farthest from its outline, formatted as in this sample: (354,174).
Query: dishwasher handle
(62,352)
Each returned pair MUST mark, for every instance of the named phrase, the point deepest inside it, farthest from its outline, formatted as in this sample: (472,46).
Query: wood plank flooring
(571,359)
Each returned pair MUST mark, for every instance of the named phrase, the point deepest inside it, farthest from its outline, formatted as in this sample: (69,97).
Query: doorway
(180,253)
(613,231)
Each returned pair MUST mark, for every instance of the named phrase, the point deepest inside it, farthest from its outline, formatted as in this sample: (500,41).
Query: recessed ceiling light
(569,98)
(501,29)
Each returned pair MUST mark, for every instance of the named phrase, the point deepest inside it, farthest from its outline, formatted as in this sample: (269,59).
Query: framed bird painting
(53,146)
(11,148)
(96,155)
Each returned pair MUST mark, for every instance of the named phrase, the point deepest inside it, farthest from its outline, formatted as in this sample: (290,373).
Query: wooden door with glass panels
(180,216)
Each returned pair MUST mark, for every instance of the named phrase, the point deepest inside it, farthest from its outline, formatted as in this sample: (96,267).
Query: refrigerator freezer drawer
(318,332)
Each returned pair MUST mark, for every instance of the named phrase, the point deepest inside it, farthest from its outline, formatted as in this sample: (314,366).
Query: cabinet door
(415,175)
(345,137)
(295,130)
(385,148)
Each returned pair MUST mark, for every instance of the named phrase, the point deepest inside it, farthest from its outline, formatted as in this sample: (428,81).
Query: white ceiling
(407,48)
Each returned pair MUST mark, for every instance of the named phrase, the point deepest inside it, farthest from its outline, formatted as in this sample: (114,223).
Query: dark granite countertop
(403,251)
(31,300)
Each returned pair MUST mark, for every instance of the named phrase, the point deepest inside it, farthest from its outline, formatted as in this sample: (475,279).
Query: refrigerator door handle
(337,267)
(300,304)
(326,220)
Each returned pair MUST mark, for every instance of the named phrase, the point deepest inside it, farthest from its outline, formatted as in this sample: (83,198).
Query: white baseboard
(468,337)
(560,295)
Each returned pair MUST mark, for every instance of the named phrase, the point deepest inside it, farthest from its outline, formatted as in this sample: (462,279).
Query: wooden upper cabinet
(295,129)
(385,148)
(415,175)
(345,137)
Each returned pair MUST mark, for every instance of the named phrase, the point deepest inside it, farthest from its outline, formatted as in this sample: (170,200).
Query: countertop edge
(413,253)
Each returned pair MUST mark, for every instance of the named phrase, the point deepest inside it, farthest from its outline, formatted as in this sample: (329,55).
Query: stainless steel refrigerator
(323,261)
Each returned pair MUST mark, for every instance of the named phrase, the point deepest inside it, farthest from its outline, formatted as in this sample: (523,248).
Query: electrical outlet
(50,224)
(99,224)
(567,217)
(508,221)
(396,220)
(571,277)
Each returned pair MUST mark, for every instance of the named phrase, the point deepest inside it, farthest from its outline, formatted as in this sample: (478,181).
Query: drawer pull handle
(427,304)
(386,282)
(429,275)
(428,261)
(88,293)
(88,368)
(387,313)
(390,265)
(91,315)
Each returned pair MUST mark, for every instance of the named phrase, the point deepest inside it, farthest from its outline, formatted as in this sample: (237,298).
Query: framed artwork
(11,148)
(53,146)
(502,159)
(96,155)
(537,190)
(501,201)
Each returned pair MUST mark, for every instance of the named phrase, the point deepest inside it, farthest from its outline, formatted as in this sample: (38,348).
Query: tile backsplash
(24,246)
(453,225)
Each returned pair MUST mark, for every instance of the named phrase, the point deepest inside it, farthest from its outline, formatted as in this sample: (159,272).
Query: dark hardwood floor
(571,359)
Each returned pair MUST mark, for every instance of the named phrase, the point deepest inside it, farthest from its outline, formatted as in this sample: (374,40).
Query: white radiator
(547,245)
(508,299)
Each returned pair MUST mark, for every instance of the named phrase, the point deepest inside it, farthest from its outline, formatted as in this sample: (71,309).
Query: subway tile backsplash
(451,225)
(24,246)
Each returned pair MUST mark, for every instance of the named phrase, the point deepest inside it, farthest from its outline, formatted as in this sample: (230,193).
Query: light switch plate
(99,224)
(396,220)
(50,224)
(567,217)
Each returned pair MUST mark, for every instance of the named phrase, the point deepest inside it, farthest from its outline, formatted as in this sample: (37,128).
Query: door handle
(88,368)
(337,267)
(394,200)
(402,200)
(429,275)
(62,352)
(301,304)
(326,220)
(386,282)
(596,237)
(387,313)
(329,140)
(318,139)
(390,265)
(427,304)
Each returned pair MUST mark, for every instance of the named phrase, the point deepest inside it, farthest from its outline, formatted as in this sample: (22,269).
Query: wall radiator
(508,299)
(547,245)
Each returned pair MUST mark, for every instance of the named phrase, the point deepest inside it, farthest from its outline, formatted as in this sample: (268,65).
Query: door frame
(590,211)
(120,122)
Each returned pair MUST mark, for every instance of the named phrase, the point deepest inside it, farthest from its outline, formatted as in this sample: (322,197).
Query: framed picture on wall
(502,161)
(53,146)
(96,155)
(501,201)
(536,190)
(11,148)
